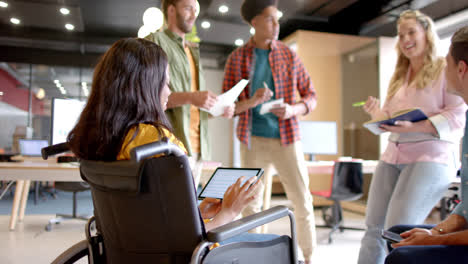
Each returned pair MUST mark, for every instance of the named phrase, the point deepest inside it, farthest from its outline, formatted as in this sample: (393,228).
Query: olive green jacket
(180,81)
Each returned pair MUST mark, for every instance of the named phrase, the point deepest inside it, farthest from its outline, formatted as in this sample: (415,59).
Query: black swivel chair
(146,212)
(74,187)
(346,185)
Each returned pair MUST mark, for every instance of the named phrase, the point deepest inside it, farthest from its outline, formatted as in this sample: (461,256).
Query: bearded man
(187,84)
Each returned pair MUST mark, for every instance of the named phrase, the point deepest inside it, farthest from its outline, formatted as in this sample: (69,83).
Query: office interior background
(48,49)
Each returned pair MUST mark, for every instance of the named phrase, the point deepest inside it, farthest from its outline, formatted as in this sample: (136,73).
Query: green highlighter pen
(357,104)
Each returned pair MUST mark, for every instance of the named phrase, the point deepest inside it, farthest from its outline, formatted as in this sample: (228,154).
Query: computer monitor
(32,147)
(65,114)
(319,137)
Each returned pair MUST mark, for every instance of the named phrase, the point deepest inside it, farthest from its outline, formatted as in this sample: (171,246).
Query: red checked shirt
(289,75)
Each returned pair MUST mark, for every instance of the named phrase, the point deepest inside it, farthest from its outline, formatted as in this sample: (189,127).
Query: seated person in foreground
(126,109)
(446,242)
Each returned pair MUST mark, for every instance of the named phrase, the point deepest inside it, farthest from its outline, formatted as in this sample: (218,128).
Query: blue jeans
(400,194)
(425,254)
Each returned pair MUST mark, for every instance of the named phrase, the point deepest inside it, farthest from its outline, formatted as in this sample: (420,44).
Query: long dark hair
(126,89)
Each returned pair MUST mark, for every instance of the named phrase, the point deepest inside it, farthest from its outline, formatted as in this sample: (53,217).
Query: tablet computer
(222,178)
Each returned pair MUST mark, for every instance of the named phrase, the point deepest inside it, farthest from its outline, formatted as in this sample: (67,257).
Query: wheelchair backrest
(147,211)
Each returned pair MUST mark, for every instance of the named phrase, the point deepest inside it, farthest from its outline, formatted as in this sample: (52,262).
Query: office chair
(451,199)
(146,211)
(346,185)
(73,187)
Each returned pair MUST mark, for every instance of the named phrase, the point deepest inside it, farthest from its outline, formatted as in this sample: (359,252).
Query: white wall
(387,62)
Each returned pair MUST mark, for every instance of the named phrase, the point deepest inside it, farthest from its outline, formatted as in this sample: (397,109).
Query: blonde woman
(419,163)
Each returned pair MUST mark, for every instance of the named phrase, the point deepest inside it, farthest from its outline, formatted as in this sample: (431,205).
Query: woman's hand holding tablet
(235,199)
(210,207)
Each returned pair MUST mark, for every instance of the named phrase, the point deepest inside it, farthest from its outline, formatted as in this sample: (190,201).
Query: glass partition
(26,93)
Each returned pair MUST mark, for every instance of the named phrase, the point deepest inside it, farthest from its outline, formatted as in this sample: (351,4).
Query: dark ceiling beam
(389,15)
(34,33)
(350,19)
(47,57)
(292,25)
(320,7)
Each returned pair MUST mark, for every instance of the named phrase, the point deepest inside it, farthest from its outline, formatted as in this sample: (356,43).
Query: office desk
(314,167)
(39,170)
(24,172)
(326,167)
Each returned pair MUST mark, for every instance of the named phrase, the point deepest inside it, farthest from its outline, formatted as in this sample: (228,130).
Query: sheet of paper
(227,98)
(266,107)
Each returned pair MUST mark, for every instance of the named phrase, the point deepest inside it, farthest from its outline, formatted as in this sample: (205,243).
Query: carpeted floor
(47,204)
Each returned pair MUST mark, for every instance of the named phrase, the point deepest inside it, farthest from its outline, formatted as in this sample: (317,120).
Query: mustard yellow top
(146,134)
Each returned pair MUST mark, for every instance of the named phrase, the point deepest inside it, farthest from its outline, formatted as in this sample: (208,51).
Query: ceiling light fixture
(62,90)
(85,91)
(197,10)
(206,24)
(153,19)
(144,31)
(3,4)
(239,42)
(64,11)
(40,94)
(280,14)
(69,27)
(15,21)
(223,9)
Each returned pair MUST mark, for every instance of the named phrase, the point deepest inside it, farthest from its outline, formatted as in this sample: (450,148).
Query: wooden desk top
(50,170)
(36,165)
(326,167)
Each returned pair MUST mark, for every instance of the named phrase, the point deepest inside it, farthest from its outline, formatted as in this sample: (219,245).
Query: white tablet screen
(225,177)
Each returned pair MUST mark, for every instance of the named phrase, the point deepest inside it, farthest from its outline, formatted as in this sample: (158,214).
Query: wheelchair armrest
(54,149)
(247,223)
(162,146)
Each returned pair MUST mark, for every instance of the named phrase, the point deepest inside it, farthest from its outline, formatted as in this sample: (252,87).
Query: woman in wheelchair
(126,109)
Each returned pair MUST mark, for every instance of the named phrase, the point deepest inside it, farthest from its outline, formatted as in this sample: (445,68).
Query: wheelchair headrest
(125,176)
(120,176)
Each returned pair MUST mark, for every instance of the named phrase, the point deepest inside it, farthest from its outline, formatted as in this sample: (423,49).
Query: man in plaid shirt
(269,139)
